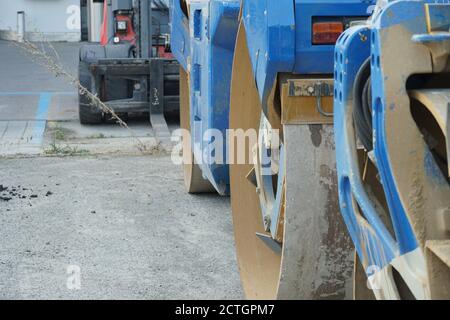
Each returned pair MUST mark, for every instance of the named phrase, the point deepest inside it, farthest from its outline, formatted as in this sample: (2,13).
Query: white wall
(55,20)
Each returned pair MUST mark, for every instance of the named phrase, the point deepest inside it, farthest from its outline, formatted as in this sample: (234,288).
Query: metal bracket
(323,90)
(313,88)
(270,242)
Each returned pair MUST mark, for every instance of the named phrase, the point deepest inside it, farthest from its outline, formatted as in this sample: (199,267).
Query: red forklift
(132,69)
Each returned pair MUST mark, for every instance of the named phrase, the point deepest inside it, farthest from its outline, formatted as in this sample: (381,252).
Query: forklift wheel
(86,111)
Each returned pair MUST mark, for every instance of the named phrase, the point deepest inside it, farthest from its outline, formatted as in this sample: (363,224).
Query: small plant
(59,134)
(97,136)
(55,149)
(156,150)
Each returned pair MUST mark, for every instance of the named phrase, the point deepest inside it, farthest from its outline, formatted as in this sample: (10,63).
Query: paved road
(126,222)
(97,224)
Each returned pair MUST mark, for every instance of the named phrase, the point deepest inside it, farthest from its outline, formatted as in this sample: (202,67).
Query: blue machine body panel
(373,242)
(280,36)
(205,49)
(279,40)
(307,55)
(180,40)
(213,28)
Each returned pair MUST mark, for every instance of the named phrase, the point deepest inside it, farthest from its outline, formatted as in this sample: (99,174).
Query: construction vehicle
(272,215)
(274,66)
(132,69)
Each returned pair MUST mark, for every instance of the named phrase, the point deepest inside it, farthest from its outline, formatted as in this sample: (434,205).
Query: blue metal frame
(214,26)
(180,41)
(374,244)
(204,45)
(370,237)
(270,28)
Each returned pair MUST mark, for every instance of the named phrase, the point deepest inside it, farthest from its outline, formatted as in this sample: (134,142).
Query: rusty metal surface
(422,187)
(193,178)
(259,266)
(310,87)
(317,254)
(438,258)
(297,109)
(317,250)
(437,102)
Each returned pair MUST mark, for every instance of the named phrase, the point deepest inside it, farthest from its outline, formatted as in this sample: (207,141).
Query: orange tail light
(327,32)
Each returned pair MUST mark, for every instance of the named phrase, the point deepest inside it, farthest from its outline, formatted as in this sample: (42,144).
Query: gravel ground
(111,228)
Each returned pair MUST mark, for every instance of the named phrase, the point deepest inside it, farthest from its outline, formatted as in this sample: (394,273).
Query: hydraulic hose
(362,111)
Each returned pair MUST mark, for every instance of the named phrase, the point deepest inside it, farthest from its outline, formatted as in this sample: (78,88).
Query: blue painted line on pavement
(41,117)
